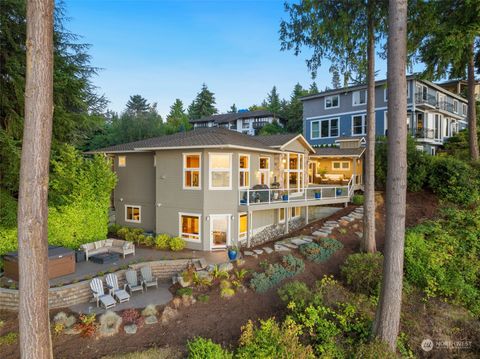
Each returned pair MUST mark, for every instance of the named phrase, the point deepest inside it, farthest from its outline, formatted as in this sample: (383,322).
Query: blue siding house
(434,113)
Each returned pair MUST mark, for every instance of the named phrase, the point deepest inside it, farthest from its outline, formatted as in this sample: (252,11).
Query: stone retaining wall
(75,293)
(275,231)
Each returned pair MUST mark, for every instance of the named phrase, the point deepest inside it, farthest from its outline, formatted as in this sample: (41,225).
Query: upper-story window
(464,109)
(324,128)
(191,171)
(332,101)
(133,214)
(220,171)
(122,161)
(264,169)
(359,97)
(359,125)
(244,171)
(455,106)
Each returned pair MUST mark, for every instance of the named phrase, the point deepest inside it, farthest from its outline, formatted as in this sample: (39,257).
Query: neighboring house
(247,122)
(216,187)
(434,114)
(459,87)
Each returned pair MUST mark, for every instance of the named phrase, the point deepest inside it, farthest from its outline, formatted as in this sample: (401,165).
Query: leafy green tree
(78,108)
(257,107)
(203,105)
(137,105)
(177,119)
(335,77)
(233,109)
(448,48)
(271,129)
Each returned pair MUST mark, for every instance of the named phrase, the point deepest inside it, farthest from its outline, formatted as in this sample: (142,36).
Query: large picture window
(359,125)
(189,227)
(324,128)
(244,171)
(191,171)
(220,171)
(294,173)
(133,214)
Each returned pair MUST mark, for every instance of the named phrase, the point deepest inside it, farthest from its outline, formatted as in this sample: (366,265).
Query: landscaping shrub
(442,257)
(176,244)
(272,341)
(363,272)
(109,324)
(454,181)
(113,229)
(122,232)
(321,251)
(418,163)
(275,273)
(184,291)
(162,241)
(149,310)
(8,339)
(295,291)
(200,348)
(357,199)
(132,316)
(87,325)
(374,350)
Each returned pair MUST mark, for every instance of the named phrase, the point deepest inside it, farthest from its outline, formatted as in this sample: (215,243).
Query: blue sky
(164,50)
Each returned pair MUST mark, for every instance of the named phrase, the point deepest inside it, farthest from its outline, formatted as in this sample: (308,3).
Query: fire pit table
(61,261)
(105,258)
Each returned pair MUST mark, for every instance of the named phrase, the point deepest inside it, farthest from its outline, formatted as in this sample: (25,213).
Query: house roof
(361,139)
(198,138)
(338,152)
(277,140)
(227,117)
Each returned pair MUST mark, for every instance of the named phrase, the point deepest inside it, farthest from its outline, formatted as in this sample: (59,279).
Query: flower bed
(320,251)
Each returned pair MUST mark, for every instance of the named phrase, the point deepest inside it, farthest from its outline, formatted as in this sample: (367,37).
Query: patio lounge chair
(99,295)
(120,295)
(148,279)
(132,281)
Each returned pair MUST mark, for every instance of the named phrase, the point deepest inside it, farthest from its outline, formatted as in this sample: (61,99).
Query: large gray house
(247,122)
(434,113)
(214,187)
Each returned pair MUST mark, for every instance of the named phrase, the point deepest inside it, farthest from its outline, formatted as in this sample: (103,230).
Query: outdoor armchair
(99,295)
(132,285)
(148,279)
(120,295)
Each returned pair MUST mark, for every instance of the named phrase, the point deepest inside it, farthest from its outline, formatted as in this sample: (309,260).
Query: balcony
(266,198)
(425,133)
(427,100)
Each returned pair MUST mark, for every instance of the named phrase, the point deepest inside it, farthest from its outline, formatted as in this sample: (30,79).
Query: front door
(219,230)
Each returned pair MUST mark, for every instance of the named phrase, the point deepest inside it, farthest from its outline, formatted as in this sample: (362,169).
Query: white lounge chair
(120,295)
(132,282)
(148,279)
(99,295)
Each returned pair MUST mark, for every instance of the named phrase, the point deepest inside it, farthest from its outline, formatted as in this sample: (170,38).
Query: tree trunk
(34,323)
(387,319)
(368,240)
(472,111)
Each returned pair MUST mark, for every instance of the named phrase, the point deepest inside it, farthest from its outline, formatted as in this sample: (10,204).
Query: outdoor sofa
(108,245)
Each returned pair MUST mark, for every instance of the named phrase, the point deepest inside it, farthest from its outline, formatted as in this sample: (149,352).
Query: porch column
(354,160)
(306,214)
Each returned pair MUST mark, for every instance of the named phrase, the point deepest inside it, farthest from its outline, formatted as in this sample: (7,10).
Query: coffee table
(105,258)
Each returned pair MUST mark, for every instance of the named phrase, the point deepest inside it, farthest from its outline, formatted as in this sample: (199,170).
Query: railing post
(248,196)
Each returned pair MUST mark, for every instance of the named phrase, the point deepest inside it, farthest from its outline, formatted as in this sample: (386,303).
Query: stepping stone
(359,234)
(326,230)
(290,245)
(258,251)
(248,253)
(200,264)
(331,225)
(346,218)
(130,329)
(308,239)
(281,248)
(204,274)
(298,241)
(268,250)
(320,234)
(331,222)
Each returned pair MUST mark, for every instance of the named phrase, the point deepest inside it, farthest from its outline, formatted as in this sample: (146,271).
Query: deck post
(354,171)
(286,220)
(306,214)
(249,228)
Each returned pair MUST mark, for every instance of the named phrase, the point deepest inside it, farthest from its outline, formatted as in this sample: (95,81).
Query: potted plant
(339,191)
(232,252)
(318,194)
(285,196)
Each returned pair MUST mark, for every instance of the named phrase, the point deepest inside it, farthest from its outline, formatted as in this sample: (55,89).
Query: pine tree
(177,119)
(335,77)
(273,103)
(137,105)
(203,105)
(294,110)
(313,88)
(233,109)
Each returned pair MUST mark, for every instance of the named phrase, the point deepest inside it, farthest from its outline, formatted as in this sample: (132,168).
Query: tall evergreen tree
(336,84)
(294,110)
(313,88)
(233,109)
(137,105)
(203,105)
(177,119)
(272,102)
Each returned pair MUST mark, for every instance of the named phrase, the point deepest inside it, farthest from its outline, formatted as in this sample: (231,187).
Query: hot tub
(61,261)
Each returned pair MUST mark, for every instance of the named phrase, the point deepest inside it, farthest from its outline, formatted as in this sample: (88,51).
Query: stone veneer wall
(275,230)
(75,293)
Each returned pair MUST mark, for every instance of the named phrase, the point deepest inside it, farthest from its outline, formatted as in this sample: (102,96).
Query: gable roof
(228,117)
(282,140)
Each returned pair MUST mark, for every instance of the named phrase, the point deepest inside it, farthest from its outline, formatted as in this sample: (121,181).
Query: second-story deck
(272,198)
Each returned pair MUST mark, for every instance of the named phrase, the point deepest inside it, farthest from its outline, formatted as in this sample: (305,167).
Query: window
(245,124)
(296,211)
(385,122)
(191,170)
(220,171)
(133,214)
(281,215)
(293,173)
(264,169)
(341,165)
(359,97)
(455,106)
(324,128)
(332,101)
(189,228)
(438,126)
(244,171)
(359,125)
(464,109)
(243,226)
(122,161)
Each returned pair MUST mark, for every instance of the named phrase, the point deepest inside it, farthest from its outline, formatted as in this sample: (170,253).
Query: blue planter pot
(232,255)
(339,192)
(285,197)
(318,195)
